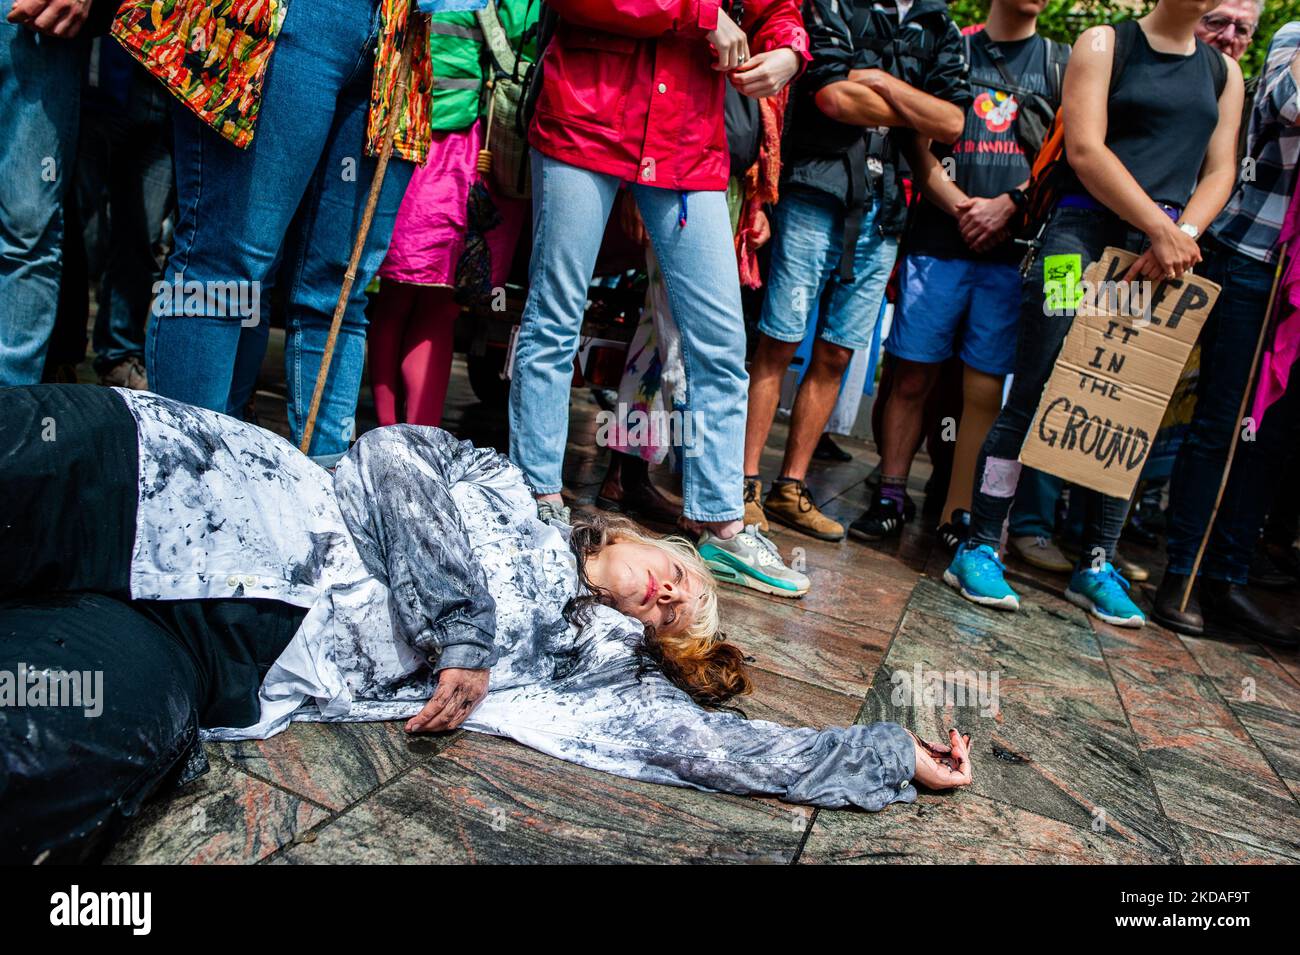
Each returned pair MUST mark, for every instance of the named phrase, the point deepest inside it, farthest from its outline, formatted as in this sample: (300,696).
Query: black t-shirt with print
(988,159)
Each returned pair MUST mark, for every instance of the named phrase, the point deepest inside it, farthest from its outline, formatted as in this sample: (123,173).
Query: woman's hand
(1172,253)
(767,73)
(761,232)
(942,767)
(729,43)
(459,691)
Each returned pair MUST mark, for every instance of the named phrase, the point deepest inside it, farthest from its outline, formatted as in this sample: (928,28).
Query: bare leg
(766,372)
(813,406)
(905,415)
(981,401)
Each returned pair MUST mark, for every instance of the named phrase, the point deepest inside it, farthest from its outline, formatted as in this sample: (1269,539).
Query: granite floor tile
(1206,848)
(492,800)
(780,699)
(333,764)
(1261,694)
(1208,771)
(856,595)
(958,828)
(224,816)
(1049,737)
(785,638)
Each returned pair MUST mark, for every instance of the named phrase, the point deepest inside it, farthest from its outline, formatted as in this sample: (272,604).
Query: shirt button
(232,581)
(663,88)
(250,581)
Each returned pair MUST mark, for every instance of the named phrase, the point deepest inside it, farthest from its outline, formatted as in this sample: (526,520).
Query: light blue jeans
(287,207)
(570,209)
(40,87)
(807,239)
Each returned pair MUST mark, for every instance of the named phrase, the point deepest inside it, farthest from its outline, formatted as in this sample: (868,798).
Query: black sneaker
(828,450)
(954,533)
(872,482)
(881,521)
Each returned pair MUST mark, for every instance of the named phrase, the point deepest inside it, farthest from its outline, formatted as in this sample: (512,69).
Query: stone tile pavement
(1107,746)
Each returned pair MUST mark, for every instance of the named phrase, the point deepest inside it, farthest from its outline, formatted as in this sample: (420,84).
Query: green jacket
(459,58)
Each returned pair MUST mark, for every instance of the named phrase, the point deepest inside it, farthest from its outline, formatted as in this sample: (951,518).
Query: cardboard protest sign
(1117,369)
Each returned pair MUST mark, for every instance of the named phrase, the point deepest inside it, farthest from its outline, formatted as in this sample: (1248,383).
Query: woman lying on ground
(194,571)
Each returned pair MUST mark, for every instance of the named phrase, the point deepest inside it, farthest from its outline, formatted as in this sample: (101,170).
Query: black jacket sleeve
(830,42)
(949,78)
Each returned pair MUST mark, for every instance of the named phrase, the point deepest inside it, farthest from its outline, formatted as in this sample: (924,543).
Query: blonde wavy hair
(699,660)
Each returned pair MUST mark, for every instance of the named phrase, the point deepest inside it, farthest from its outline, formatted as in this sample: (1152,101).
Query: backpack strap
(498,43)
(1056,56)
(1125,33)
(994,53)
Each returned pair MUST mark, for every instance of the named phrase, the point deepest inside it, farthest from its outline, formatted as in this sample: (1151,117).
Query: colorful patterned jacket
(212,55)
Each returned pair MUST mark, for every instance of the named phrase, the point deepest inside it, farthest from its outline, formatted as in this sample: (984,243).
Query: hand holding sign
(1117,369)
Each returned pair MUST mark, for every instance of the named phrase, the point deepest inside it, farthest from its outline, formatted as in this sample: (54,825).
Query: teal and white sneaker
(1104,594)
(977,573)
(751,560)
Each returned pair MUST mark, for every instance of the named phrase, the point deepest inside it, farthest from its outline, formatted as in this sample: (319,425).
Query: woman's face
(648,583)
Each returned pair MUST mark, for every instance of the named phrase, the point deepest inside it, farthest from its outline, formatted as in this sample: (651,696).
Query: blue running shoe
(1104,594)
(977,573)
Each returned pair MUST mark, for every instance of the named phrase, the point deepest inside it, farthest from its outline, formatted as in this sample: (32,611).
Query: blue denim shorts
(807,237)
(960,307)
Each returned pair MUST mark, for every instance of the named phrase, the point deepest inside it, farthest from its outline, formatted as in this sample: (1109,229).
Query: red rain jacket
(629,87)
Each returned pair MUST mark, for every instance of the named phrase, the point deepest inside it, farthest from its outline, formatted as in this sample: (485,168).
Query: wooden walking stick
(1241,410)
(359,244)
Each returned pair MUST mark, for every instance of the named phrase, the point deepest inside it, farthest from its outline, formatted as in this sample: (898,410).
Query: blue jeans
(290,205)
(1227,350)
(1034,512)
(40,89)
(807,239)
(1084,232)
(570,209)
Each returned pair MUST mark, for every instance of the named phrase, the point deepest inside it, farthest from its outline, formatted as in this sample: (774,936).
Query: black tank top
(1160,117)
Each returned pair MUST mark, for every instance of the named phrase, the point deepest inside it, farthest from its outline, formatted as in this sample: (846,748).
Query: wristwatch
(1018,198)
(1190,229)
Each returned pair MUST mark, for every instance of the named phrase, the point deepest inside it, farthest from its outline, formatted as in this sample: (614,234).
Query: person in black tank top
(1162,140)
(1150,135)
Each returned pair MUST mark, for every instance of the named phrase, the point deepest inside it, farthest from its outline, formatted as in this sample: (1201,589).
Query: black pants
(74,770)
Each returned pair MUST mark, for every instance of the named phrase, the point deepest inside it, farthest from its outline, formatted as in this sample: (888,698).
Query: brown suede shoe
(754,515)
(790,504)
(127,373)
